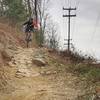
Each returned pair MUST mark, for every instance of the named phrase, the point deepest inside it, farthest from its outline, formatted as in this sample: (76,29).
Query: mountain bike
(28,38)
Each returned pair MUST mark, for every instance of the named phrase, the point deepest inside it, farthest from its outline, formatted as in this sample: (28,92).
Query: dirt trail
(31,82)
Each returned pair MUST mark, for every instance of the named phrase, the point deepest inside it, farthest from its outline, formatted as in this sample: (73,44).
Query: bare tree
(42,15)
(35,9)
(52,38)
(29,7)
(1,8)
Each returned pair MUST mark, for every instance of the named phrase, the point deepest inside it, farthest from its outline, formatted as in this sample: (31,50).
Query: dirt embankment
(9,40)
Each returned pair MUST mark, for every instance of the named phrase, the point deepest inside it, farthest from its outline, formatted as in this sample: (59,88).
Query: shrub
(94,74)
(77,57)
(89,71)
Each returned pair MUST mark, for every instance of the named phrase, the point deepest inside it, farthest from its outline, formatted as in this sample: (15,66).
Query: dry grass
(77,57)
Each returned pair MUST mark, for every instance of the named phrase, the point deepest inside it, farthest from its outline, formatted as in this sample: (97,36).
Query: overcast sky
(85,30)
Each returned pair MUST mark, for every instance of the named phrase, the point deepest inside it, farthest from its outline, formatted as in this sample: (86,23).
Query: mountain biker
(29,27)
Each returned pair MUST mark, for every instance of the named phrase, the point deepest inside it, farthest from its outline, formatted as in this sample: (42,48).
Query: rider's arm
(25,23)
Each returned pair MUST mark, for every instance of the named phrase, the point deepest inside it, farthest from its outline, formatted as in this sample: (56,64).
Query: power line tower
(69,16)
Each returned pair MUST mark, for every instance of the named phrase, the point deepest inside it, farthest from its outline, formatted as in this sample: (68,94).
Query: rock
(51,72)
(1,60)
(39,62)
(1,46)
(98,92)
(23,73)
(26,73)
(6,56)
(10,64)
(48,72)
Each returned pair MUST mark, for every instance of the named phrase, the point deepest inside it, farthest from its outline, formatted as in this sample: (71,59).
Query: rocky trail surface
(32,74)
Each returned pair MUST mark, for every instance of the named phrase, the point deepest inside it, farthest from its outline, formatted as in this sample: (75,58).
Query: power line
(68,3)
(77,3)
(96,24)
(95,27)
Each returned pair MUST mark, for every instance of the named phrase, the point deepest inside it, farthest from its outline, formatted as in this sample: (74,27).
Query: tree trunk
(36,15)
(29,8)
(1,8)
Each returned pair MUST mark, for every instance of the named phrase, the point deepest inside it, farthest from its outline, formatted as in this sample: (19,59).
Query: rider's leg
(26,36)
(30,36)
(26,33)
(31,33)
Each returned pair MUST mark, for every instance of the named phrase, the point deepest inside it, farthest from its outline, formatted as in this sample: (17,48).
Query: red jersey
(36,25)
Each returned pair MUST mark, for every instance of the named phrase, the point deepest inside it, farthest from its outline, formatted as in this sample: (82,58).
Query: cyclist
(29,27)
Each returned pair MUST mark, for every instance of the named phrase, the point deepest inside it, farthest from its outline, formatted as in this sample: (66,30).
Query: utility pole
(69,16)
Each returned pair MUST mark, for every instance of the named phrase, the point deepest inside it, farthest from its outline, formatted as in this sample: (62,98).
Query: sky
(85,31)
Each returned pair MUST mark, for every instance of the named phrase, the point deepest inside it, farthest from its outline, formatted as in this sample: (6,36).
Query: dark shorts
(29,30)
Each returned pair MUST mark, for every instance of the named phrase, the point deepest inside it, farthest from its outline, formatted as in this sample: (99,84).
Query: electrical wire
(68,2)
(92,39)
(95,25)
(77,4)
(74,22)
(95,28)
